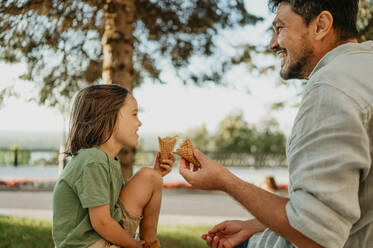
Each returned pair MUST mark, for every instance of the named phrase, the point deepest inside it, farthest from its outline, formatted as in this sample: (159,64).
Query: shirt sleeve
(328,154)
(93,187)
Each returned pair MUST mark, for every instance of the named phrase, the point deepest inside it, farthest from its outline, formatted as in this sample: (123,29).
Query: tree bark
(118,44)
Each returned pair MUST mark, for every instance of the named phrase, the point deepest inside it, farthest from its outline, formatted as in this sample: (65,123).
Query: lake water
(251,175)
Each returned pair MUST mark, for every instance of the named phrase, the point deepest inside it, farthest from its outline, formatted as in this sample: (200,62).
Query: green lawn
(32,233)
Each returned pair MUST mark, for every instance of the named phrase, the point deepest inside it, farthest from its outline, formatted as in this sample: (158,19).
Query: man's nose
(273,44)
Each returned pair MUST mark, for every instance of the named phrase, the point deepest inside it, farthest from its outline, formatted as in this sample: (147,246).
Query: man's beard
(298,70)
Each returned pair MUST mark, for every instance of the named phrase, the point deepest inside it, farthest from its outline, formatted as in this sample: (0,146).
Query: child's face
(125,131)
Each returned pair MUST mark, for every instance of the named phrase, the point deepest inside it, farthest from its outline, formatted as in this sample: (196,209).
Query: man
(329,151)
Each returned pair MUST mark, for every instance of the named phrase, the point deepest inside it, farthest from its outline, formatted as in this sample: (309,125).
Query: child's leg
(142,195)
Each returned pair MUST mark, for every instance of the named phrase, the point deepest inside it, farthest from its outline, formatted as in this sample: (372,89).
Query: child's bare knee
(151,175)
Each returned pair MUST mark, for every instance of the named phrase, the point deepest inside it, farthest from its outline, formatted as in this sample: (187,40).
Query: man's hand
(211,175)
(229,234)
(164,167)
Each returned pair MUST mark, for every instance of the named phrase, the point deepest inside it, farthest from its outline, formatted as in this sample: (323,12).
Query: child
(91,205)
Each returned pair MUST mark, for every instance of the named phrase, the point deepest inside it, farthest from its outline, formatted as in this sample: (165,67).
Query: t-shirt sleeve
(328,156)
(93,187)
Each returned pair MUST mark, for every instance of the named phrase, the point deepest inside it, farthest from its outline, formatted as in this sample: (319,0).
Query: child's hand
(164,167)
(140,243)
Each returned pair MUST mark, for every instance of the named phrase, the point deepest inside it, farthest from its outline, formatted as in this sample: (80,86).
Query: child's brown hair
(94,115)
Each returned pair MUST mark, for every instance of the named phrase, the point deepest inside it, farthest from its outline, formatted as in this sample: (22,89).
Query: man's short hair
(344,13)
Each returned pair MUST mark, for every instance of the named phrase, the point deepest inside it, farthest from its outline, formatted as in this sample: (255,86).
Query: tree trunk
(117,44)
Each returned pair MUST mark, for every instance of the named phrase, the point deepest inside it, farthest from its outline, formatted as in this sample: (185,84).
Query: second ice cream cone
(186,151)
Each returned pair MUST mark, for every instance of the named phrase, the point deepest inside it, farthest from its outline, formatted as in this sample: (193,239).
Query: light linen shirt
(329,154)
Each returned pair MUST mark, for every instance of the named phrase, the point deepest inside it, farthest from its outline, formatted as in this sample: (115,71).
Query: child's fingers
(165,167)
(158,156)
(167,161)
(140,243)
(172,156)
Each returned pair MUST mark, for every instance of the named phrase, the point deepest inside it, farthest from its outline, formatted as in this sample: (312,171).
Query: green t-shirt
(90,179)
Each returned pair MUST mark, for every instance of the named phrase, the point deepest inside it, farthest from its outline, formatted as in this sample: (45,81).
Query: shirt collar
(332,54)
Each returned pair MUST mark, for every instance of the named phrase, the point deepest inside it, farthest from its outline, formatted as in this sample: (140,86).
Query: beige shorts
(129,222)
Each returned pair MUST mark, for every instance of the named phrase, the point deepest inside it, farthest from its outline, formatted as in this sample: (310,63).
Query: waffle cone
(186,151)
(166,145)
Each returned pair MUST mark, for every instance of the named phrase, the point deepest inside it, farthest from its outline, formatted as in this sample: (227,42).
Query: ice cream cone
(186,151)
(166,145)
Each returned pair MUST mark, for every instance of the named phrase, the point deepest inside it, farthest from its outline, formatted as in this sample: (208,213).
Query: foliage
(60,41)
(234,134)
(200,137)
(7,157)
(365,20)
(51,160)
(269,139)
(29,233)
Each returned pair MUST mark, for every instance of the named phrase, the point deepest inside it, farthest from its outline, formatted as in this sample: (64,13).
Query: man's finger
(184,169)
(218,228)
(209,241)
(224,243)
(200,156)
(215,242)
(184,164)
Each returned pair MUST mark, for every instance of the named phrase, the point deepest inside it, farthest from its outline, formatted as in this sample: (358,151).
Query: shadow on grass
(32,233)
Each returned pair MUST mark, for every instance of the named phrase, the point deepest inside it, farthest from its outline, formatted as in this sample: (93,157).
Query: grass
(32,233)
(182,236)
(25,233)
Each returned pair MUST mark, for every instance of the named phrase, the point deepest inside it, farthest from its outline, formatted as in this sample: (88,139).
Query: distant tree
(234,134)
(269,139)
(200,138)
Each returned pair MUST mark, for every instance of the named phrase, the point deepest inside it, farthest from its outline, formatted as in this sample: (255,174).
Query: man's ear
(323,25)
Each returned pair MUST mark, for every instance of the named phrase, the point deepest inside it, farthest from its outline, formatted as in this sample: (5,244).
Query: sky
(169,108)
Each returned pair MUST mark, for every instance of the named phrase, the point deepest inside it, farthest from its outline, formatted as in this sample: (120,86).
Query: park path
(179,206)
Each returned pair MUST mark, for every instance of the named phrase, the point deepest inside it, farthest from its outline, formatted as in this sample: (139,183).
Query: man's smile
(282,53)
